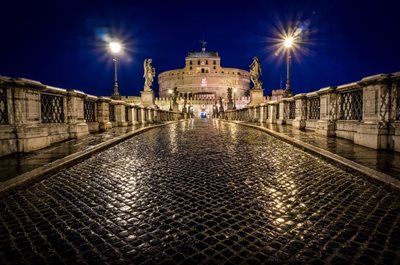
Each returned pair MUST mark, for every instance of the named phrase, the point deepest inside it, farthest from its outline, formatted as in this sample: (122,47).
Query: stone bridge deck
(201,192)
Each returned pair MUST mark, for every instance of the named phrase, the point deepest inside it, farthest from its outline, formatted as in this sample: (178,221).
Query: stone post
(143,118)
(77,127)
(135,110)
(120,113)
(25,117)
(326,125)
(282,112)
(261,108)
(373,131)
(272,108)
(150,115)
(301,111)
(130,114)
(103,113)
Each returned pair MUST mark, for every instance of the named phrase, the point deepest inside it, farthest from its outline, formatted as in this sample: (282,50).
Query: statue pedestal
(230,105)
(175,106)
(256,97)
(147,98)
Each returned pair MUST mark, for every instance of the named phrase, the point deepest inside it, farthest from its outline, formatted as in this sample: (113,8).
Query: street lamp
(170,95)
(234,98)
(288,43)
(115,48)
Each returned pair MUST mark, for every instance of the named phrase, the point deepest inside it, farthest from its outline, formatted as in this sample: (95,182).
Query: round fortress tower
(203,77)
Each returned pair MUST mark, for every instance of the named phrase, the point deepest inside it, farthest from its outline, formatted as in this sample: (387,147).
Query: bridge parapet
(366,112)
(34,115)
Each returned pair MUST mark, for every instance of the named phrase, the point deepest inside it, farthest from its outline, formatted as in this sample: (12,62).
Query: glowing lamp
(115,47)
(289,42)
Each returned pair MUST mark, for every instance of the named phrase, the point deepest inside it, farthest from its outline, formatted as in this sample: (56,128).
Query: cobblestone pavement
(203,192)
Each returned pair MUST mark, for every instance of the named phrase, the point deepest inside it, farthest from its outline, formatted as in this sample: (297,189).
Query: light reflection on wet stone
(203,192)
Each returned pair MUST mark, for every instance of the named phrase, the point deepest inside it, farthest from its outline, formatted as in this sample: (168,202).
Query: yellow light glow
(289,42)
(169,91)
(115,47)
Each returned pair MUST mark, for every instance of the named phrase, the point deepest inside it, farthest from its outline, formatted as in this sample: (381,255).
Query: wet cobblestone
(203,192)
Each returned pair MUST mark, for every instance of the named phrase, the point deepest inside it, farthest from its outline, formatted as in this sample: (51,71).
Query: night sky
(63,43)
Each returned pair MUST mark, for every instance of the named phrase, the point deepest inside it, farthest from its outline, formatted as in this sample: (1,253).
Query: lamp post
(115,48)
(170,95)
(234,98)
(288,43)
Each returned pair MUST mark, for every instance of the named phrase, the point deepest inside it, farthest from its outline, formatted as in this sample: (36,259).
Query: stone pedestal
(175,107)
(147,98)
(256,97)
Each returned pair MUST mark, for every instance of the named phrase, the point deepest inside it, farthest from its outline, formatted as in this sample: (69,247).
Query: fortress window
(190,62)
(215,62)
(214,67)
(191,68)
(198,62)
(202,70)
(207,62)
(222,72)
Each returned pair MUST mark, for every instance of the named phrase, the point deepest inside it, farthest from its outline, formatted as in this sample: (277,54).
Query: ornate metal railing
(314,107)
(52,108)
(277,111)
(89,111)
(351,105)
(3,106)
(111,112)
(292,110)
(126,113)
(258,113)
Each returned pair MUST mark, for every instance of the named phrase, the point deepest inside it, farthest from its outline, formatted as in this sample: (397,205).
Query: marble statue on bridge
(255,73)
(149,73)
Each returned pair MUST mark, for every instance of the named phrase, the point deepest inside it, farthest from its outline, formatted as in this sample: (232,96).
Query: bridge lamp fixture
(115,48)
(288,43)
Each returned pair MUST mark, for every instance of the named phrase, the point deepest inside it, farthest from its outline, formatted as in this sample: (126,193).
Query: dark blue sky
(59,42)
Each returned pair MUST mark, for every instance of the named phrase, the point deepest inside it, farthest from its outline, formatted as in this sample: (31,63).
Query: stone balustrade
(34,115)
(366,112)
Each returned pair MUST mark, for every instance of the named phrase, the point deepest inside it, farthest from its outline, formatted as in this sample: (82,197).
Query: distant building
(204,78)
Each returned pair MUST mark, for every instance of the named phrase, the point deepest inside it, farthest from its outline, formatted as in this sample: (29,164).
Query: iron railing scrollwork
(126,113)
(292,110)
(52,108)
(314,108)
(3,106)
(351,105)
(89,111)
(111,112)
(277,111)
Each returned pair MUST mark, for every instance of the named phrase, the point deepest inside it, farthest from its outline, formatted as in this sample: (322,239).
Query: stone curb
(35,174)
(366,171)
